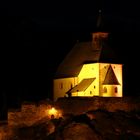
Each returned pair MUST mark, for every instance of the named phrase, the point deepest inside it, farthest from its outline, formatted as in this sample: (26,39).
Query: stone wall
(29,114)
(3,131)
(78,105)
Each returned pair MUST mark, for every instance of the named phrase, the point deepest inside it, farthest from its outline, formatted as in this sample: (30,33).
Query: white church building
(89,70)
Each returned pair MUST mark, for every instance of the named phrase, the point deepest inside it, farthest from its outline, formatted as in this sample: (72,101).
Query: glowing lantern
(52,111)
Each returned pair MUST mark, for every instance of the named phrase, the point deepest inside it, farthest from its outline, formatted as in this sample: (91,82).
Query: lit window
(105,90)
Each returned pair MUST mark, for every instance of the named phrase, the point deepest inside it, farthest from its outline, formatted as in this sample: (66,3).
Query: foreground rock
(93,125)
(77,131)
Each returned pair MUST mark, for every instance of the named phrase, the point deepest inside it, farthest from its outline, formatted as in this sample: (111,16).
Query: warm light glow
(53,113)
(67,82)
(90,71)
(98,71)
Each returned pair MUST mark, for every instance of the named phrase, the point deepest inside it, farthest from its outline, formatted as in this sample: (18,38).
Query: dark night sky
(35,37)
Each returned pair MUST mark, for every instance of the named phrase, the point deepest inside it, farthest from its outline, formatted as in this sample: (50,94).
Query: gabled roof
(110,78)
(83,85)
(83,53)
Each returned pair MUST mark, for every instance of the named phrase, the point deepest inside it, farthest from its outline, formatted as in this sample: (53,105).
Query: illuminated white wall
(90,71)
(61,86)
(97,71)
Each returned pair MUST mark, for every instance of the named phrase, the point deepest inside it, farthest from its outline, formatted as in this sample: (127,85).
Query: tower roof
(99,20)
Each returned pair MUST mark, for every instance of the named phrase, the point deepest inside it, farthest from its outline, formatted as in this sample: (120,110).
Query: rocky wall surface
(3,132)
(28,115)
(78,105)
(31,115)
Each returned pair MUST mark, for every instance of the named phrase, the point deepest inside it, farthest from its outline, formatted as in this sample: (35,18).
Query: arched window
(90,92)
(116,90)
(61,85)
(71,85)
(105,90)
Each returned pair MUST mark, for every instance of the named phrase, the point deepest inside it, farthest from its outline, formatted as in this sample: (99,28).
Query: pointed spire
(99,19)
